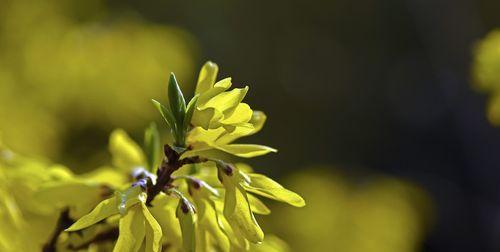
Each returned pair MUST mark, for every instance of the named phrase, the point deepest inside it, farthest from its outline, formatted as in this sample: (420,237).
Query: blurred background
(375,105)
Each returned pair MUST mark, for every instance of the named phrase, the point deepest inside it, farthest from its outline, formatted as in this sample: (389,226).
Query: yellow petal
(257,121)
(208,228)
(239,131)
(226,100)
(207,77)
(153,231)
(241,114)
(206,118)
(186,217)
(246,150)
(125,152)
(208,137)
(264,186)
(131,231)
(237,210)
(257,205)
(106,176)
(12,209)
(218,88)
(102,211)
(237,240)
(67,193)
(163,211)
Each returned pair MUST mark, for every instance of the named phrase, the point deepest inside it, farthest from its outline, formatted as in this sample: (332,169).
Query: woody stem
(169,165)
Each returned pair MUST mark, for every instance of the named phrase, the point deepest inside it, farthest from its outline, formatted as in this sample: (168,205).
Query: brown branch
(63,222)
(169,165)
(109,235)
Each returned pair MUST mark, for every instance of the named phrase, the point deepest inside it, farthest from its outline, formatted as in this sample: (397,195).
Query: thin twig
(63,222)
(169,165)
(109,235)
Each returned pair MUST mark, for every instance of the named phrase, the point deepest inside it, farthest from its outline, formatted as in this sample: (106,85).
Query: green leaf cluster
(176,114)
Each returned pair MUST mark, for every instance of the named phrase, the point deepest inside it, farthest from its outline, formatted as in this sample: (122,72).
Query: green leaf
(152,147)
(131,231)
(189,112)
(166,114)
(264,186)
(185,214)
(153,231)
(176,100)
(102,211)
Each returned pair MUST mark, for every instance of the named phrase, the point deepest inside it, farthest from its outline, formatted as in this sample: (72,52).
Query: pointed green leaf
(131,231)
(152,147)
(176,100)
(166,114)
(102,211)
(264,186)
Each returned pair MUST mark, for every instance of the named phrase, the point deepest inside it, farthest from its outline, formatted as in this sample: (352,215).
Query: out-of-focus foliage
(67,66)
(32,195)
(486,72)
(379,214)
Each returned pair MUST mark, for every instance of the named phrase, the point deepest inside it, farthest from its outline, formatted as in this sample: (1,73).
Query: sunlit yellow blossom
(220,118)
(175,198)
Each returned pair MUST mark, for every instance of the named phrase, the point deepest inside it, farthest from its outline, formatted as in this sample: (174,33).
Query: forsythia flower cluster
(175,197)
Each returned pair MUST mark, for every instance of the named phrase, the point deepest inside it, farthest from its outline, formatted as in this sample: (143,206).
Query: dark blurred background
(380,85)
(364,88)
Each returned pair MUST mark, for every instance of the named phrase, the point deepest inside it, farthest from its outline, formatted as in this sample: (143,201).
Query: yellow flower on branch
(220,117)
